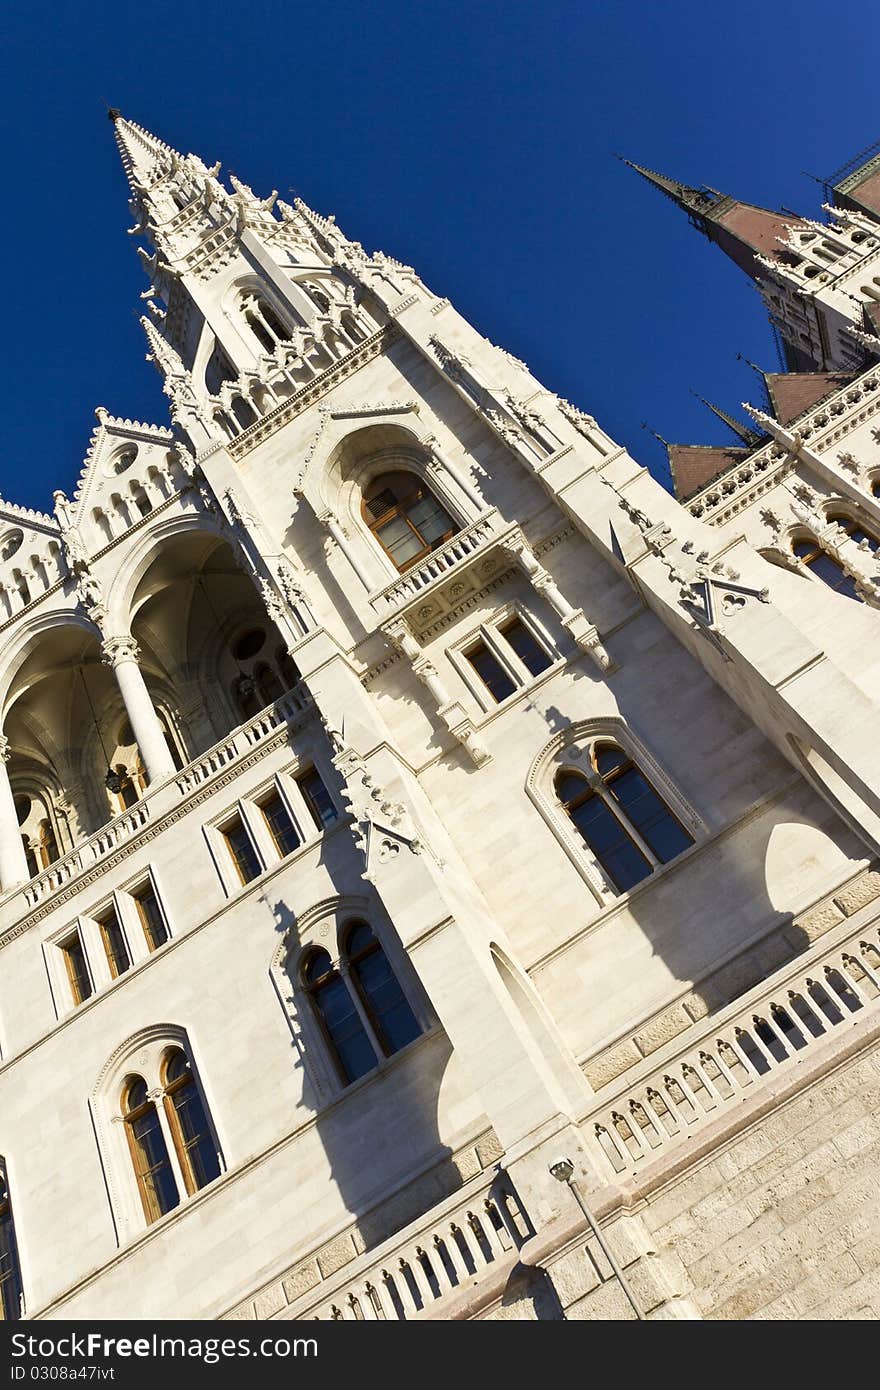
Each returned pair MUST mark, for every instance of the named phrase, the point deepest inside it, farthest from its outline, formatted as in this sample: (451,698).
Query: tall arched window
(855,530)
(149,1152)
(11,1294)
(393,1021)
(340,1021)
(826,568)
(188,1119)
(269,687)
(48,844)
(405,517)
(622,820)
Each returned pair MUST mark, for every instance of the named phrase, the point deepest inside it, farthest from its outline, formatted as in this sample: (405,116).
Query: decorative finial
(113,114)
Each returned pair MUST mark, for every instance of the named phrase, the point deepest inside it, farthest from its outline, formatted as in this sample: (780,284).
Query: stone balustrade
(759,1038)
(455,555)
(443,1251)
(158,800)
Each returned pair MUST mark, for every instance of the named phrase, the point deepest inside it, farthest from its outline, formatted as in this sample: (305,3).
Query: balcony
(291,709)
(439,583)
(455,1246)
(750,1047)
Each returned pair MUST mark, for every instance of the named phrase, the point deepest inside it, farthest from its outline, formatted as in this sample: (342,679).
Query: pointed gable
(125,459)
(694,466)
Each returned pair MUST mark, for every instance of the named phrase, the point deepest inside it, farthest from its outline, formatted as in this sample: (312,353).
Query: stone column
(574,620)
(13,861)
(443,461)
(450,711)
(122,654)
(332,525)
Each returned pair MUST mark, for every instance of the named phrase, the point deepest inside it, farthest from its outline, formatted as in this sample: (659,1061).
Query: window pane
(621,860)
(317,798)
(650,816)
(77,969)
(243,853)
(281,827)
(831,573)
(491,672)
(114,944)
(570,785)
(394,1019)
(400,540)
(199,1157)
(345,1030)
(10,1275)
(527,647)
(431,520)
(156,1179)
(151,917)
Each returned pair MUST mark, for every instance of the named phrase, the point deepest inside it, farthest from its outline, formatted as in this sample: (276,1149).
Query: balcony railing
(406,1277)
(779,1027)
(429,574)
(157,800)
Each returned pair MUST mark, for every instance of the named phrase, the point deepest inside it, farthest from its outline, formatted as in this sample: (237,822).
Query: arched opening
(405,517)
(825,567)
(205,636)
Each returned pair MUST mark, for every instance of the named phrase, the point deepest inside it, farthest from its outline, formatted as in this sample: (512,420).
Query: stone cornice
(313,391)
(152,828)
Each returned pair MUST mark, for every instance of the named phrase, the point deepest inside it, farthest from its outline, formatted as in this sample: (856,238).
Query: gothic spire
(744,231)
(144,156)
(748,436)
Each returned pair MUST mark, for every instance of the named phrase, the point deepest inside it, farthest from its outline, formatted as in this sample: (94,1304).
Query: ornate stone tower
(434,860)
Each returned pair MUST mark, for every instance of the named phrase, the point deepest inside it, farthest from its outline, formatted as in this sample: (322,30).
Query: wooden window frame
(103,918)
(223,829)
(313,988)
(129,1117)
(169,1090)
(73,983)
(599,785)
(136,894)
(399,509)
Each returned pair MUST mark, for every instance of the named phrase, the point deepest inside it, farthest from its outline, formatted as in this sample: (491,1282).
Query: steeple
(145,158)
(748,436)
(742,230)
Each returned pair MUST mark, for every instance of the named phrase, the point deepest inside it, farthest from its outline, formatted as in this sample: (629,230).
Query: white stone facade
(211,621)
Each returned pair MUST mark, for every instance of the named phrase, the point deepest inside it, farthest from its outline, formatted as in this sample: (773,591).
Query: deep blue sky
(473,141)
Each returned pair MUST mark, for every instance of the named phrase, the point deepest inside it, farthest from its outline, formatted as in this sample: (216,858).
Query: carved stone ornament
(115,650)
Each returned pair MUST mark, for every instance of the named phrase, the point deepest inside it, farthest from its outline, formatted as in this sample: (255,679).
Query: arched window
(338,1017)
(855,530)
(218,369)
(149,1152)
(48,844)
(405,517)
(826,568)
(188,1119)
(622,820)
(11,1294)
(287,666)
(30,856)
(393,1021)
(244,694)
(269,687)
(318,297)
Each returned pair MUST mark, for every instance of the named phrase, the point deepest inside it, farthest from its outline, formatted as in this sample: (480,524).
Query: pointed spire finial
(656,434)
(748,436)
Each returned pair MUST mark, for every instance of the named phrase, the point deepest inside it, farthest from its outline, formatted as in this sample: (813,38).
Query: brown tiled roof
(742,230)
(693,466)
(791,393)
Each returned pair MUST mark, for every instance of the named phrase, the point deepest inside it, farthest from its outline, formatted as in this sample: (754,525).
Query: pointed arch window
(11,1291)
(149,1152)
(405,517)
(188,1120)
(826,568)
(855,530)
(393,1021)
(622,820)
(340,1021)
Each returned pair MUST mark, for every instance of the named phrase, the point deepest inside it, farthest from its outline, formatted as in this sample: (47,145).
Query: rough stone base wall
(785,1221)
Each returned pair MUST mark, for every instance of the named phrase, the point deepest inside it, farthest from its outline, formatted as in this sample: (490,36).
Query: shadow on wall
(356,1013)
